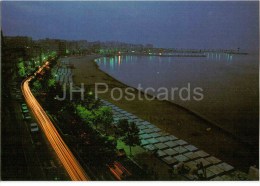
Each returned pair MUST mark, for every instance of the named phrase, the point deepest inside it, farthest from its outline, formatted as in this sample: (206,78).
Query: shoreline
(186,124)
(158,55)
(196,114)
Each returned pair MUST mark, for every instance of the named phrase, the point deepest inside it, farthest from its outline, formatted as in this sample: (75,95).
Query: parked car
(18,97)
(34,127)
(26,116)
(23,105)
(25,110)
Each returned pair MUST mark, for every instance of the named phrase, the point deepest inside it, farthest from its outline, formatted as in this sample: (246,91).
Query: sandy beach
(169,117)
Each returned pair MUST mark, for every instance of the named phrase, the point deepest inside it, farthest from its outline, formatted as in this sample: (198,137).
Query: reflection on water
(229,82)
(219,57)
(115,62)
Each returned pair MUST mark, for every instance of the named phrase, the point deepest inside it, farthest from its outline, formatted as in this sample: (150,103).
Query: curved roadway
(68,160)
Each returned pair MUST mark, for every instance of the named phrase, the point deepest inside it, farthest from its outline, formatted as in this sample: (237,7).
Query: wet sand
(170,117)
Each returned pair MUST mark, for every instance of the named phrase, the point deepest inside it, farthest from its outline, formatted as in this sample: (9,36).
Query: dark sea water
(229,85)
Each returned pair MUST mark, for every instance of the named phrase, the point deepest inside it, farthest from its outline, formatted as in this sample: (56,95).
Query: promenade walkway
(63,73)
(174,152)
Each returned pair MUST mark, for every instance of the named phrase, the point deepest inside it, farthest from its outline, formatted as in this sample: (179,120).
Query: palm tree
(129,132)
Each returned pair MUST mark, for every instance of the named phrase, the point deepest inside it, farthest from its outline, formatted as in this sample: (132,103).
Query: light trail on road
(72,166)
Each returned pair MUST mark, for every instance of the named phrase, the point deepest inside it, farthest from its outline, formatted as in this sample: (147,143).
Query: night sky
(164,24)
